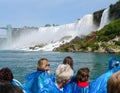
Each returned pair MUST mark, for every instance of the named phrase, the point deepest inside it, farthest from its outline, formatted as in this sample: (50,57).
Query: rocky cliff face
(97,16)
(114,13)
(106,40)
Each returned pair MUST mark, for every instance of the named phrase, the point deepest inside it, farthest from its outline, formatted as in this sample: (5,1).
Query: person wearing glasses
(35,81)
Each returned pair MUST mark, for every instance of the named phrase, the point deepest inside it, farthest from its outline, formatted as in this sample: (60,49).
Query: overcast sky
(21,13)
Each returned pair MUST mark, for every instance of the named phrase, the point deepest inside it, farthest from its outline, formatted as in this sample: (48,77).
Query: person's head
(8,88)
(63,73)
(68,60)
(6,75)
(82,74)
(43,64)
(113,84)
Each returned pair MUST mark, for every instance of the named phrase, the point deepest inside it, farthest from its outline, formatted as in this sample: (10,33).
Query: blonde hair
(63,72)
(42,63)
(113,84)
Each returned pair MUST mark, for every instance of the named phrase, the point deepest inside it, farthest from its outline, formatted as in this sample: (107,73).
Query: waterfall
(54,36)
(86,25)
(104,19)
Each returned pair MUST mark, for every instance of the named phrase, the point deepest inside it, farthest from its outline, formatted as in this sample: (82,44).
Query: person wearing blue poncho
(81,85)
(69,61)
(6,76)
(36,81)
(99,85)
(113,84)
(63,75)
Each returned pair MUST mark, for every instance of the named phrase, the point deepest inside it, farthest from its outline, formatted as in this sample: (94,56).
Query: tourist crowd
(64,80)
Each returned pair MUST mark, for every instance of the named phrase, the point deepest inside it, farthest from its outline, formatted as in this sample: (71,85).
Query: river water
(24,62)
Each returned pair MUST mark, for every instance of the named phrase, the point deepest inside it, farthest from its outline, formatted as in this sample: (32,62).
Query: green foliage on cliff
(100,39)
(92,41)
(109,31)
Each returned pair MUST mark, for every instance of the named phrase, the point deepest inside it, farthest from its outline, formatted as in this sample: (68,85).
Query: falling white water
(85,26)
(104,19)
(54,36)
(56,33)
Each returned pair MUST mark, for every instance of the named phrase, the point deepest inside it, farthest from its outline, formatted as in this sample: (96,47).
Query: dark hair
(82,74)
(6,75)
(68,60)
(8,88)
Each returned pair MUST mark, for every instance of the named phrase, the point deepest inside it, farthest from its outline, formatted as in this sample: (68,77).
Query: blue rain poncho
(113,62)
(78,89)
(69,87)
(52,88)
(16,82)
(100,84)
(36,81)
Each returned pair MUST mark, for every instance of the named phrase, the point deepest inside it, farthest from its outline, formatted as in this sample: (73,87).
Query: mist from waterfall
(54,36)
(45,36)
